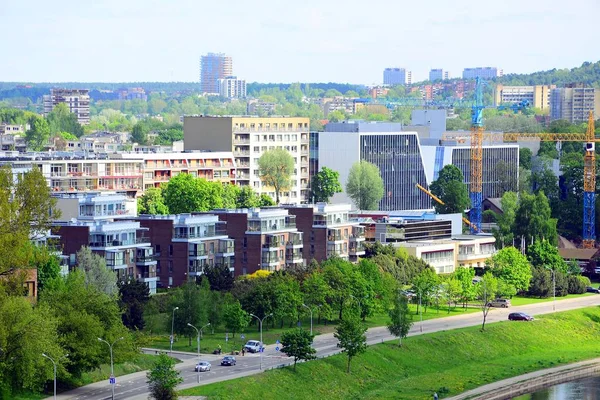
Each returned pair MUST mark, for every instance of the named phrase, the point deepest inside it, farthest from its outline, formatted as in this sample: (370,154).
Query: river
(582,389)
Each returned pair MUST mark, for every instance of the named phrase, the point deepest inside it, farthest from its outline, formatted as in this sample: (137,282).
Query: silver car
(202,366)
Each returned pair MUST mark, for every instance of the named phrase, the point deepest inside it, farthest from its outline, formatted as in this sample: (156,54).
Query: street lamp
(420,312)
(553,290)
(112,370)
(54,363)
(198,331)
(311,313)
(262,346)
(172,326)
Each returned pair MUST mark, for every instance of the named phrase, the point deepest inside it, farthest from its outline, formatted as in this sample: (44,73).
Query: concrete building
(214,66)
(264,239)
(574,103)
(397,155)
(12,137)
(482,72)
(77,101)
(537,96)
(396,76)
(257,107)
(248,138)
(232,88)
(184,244)
(77,172)
(136,93)
(438,75)
(435,120)
(327,231)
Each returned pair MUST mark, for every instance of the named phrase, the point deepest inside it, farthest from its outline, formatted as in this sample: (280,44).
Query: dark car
(590,289)
(519,316)
(228,360)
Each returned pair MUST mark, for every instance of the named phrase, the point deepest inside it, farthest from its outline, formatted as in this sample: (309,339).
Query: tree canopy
(325,184)
(276,168)
(365,185)
(449,188)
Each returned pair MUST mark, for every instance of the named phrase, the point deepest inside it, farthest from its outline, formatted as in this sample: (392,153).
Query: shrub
(576,285)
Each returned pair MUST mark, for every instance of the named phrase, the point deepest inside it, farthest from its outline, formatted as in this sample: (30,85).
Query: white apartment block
(77,100)
(232,88)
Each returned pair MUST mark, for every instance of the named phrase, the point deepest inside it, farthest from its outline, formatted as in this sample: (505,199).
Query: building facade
(537,96)
(185,244)
(574,103)
(248,138)
(396,76)
(397,155)
(232,88)
(327,231)
(481,72)
(265,239)
(77,100)
(214,66)
(438,75)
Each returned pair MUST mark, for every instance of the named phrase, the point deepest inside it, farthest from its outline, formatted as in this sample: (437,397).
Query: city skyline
(314,42)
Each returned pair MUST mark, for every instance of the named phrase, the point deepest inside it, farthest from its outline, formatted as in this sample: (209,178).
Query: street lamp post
(198,331)
(172,326)
(311,314)
(420,313)
(262,346)
(554,290)
(112,369)
(54,364)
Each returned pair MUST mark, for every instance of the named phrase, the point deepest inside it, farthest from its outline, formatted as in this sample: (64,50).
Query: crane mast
(477,158)
(589,187)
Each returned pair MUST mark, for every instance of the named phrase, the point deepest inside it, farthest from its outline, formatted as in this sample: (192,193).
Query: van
(503,303)
(253,346)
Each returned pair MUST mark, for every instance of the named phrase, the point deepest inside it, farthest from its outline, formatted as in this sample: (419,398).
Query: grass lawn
(447,362)
(521,300)
(209,341)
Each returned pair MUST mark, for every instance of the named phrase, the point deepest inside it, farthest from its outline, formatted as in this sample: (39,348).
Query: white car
(202,366)
(253,346)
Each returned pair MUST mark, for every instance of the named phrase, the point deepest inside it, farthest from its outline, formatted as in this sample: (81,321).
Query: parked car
(590,289)
(408,293)
(504,303)
(253,346)
(519,316)
(202,366)
(228,360)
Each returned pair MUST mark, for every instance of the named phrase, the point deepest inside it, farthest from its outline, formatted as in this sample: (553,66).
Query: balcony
(294,257)
(241,140)
(196,268)
(358,234)
(120,243)
(357,250)
(199,253)
(145,257)
(271,242)
(295,241)
(241,153)
(226,248)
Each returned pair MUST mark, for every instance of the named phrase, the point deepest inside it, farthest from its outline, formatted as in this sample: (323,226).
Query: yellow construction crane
(589,164)
(434,197)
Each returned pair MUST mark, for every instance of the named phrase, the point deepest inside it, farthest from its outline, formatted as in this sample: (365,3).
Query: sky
(289,41)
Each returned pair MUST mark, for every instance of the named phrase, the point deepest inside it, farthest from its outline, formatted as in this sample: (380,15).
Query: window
(157,250)
(170,250)
(256,149)
(170,267)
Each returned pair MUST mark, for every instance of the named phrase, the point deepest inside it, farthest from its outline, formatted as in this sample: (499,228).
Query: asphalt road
(134,386)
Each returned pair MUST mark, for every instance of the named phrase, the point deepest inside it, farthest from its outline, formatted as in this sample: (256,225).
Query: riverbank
(448,363)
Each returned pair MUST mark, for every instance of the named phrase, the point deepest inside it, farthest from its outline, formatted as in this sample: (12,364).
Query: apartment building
(124,245)
(438,74)
(184,244)
(257,107)
(397,76)
(573,103)
(249,137)
(327,231)
(265,239)
(537,96)
(397,155)
(482,72)
(159,168)
(77,100)
(12,137)
(73,172)
(231,87)
(214,66)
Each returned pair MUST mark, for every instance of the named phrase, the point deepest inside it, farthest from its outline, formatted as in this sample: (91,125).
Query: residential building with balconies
(95,206)
(124,245)
(474,251)
(249,137)
(77,101)
(265,239)
(327,231)
(184,244)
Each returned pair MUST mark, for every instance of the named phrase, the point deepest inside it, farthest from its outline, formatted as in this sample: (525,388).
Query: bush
(576,285)
(586,281)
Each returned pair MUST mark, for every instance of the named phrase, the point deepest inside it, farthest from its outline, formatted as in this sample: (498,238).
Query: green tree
(276,168)
(352,339)
(139,133)
(152,202)
(467,289)
(525,155)
(192,309)
(219,277)
(451,291)
(486,290)
(541,282)
(134,297)
(247,198)
(534,219)
(512,267)
(400,318)
(231,194)
(96,273)
(265,200)
(325,184)
(235,319)
(61,119)
(425,284)
(38,134)
(297,343)
(545,255)
(185,194)
(365,185)
(449,188)
(506,220)
(163,379)
(47,265)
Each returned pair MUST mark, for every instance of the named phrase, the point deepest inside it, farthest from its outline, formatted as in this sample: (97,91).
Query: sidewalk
(532,381)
